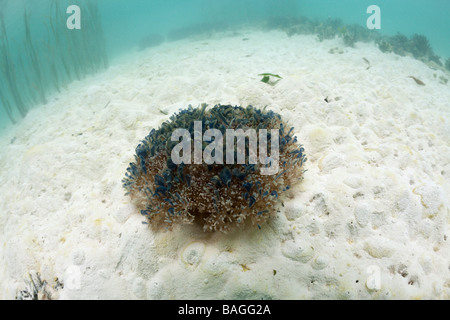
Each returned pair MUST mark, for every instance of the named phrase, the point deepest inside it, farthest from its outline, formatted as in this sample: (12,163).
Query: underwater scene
(224,150)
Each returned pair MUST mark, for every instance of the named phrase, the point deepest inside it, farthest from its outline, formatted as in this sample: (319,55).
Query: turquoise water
(51,56)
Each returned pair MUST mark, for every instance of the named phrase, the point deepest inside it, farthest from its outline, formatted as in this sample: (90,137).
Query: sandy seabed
(370,220)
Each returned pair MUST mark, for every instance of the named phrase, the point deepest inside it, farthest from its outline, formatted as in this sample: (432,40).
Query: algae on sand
(266,78)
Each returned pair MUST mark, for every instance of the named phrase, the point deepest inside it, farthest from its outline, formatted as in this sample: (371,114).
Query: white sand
(370,220)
